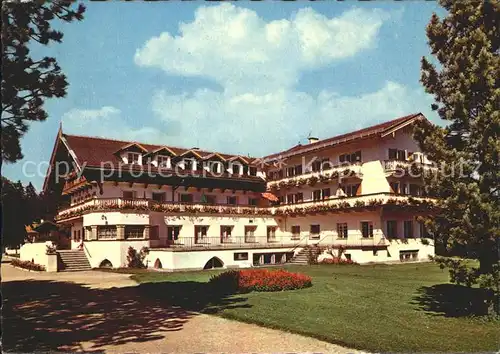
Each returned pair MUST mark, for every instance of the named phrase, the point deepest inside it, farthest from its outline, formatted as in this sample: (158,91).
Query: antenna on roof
(311,138)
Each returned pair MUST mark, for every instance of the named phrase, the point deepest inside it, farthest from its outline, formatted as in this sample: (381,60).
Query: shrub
(136,259)
(259,280)
(337,260)
(27,265)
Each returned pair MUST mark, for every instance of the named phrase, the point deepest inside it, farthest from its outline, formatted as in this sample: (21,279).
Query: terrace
(333,204)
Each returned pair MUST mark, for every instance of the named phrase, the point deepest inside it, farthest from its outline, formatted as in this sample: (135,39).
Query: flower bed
(337,260)
(27,265)
(259,280)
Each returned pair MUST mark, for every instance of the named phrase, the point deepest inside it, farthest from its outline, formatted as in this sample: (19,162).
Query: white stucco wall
(113,251)
(34,252)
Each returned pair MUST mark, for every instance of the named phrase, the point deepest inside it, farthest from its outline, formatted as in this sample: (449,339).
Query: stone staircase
(302,257)
(72,260)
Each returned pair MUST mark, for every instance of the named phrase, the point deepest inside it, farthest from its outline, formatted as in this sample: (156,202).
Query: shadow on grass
(451,300)
(49,316)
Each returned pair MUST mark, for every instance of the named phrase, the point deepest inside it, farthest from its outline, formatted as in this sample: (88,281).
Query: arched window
(106,264)
(214,262)
(158,264)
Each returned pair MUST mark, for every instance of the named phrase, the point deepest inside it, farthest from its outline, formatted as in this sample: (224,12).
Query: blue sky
(247,78)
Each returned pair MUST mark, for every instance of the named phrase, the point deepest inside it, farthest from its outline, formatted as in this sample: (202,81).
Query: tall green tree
(464,79)
(27,82)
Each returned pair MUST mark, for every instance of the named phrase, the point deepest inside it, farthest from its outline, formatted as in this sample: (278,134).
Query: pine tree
(27,82)
(465,85)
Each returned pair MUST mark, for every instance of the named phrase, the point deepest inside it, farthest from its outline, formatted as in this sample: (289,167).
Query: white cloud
(107,122)
(257,63)
(243,53)
(270,122)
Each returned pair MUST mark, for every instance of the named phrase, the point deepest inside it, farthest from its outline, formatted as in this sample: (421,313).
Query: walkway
(97,311)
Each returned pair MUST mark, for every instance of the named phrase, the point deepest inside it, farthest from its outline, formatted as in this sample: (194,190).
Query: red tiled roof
(93,150)
(378,129)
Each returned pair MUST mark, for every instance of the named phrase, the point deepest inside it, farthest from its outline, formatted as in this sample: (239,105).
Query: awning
(270,196)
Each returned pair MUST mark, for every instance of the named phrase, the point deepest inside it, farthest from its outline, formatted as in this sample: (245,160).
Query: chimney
(312,139)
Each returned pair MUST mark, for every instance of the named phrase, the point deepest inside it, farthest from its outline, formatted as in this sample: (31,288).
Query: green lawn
(408,307)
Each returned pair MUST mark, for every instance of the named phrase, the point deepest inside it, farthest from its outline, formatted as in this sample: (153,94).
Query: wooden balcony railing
(368,201)
(354,169)
(245,242)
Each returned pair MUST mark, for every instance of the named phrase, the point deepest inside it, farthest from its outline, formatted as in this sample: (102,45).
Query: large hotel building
(359,192)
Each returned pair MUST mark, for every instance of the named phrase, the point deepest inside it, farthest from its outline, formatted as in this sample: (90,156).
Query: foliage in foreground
(339,261)
(463,274)
(27,265)
(26,81)
(465,87)
(258,280)
(136,259)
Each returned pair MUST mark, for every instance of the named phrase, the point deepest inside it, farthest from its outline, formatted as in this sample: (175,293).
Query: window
(315,230)
(232,200)
(423,230)
(129,194)
(236,168)
(299,197)
(316,166)
(200,233)
(159,197)
(408,229)
(78,235)
(406,256)
(391,228)
(240,256)
(350,189)
(252,171)
(281,199)
(215,166)
(395,154)
(295,232)
(404,188)
(106,232)
(415,189)
(154,232)
(173,232)
(326,164)
(325,193)
(342,230)
(290,198)
(250,233)
(298,170)
(225,233)
(280,174)
(252,201)
(317,195)
(351,157)
(271,233)
(367,229)
(163,161)
(189,164)
(395,187)
(208,199)
(290,171)
(133,157)
(134,231)
(186,198)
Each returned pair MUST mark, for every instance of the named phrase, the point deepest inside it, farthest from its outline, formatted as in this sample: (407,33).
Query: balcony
(147,205)
(252,242)
(310,178)
(406,168)
(355,203)
(233,242)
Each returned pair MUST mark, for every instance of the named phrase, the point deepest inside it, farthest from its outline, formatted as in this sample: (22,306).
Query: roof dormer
(132,153)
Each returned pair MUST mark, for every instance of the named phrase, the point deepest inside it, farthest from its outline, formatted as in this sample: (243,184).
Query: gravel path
(102,312)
